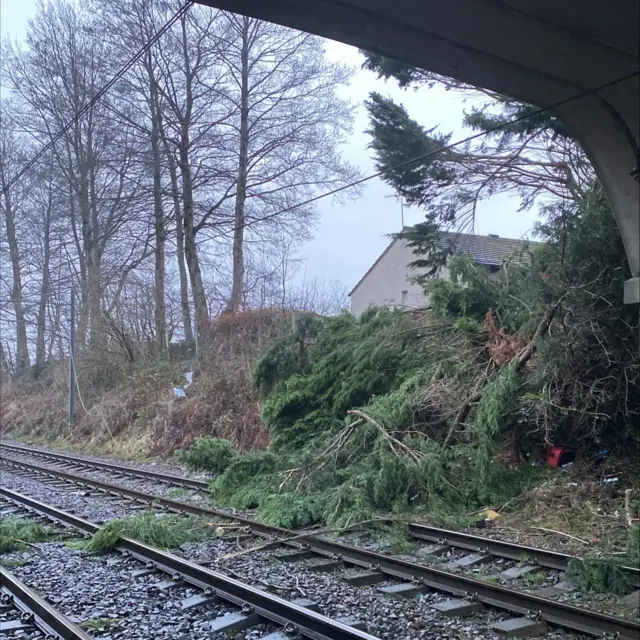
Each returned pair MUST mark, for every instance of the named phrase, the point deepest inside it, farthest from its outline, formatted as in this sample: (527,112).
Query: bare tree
(189,82)
(10,204)
(175,196)
(62,69)
(288,123)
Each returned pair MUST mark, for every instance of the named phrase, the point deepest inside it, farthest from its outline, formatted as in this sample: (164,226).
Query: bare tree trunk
(96,333)
(91,288)
(22,348)
(158,217)
(185,307)
(190,246)
(83,311)
(237,290)
(44,286)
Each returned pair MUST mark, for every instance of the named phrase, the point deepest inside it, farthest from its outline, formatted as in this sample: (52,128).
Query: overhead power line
(447,147)
(128,65)
(185,7)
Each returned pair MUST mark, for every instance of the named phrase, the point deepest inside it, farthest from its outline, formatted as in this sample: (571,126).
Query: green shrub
(633,545)
(369,414)
(599,575)
(291,510)
(17,533)
(209,454)
(164,531)
(247,480)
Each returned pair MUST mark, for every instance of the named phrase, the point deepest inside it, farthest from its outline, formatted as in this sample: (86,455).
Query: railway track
(22,610)
(468,592)
(116,469)
(444,538)
(251,601)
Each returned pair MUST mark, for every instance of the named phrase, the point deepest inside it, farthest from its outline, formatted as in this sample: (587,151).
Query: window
(404,298)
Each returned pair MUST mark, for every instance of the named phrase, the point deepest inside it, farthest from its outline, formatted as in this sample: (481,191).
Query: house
(388,282)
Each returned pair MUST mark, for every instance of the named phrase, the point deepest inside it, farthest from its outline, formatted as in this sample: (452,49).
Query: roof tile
(491,250)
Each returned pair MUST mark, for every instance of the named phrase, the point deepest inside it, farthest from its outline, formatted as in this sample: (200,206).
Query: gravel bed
(530,583)
(145,485)
(533,582)
(551,542)
(95,508)
(385,617)
(141,614)
(100,591)
(162,490)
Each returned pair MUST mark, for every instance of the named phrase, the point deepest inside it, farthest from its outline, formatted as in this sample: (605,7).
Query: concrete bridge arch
(538,51)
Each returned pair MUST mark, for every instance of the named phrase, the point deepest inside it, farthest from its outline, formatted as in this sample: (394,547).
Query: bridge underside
(538,51)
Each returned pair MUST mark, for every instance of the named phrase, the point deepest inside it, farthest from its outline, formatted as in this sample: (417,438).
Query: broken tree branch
(517,361)
(393,442)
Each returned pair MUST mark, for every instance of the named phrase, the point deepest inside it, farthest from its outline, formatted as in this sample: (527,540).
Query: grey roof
(490,250)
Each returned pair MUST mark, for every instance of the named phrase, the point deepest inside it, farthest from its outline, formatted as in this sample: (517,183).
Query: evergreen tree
(533,157)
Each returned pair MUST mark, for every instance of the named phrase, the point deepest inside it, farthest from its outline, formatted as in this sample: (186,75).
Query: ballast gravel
(100,588)
(159,467)
(100,594)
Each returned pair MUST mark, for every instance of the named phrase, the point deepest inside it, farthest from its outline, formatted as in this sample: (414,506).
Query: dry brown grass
(580,504)
(131,410)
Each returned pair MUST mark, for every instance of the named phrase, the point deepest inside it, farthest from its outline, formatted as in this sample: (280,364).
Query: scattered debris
(180,391)
(560,457)
(561,533)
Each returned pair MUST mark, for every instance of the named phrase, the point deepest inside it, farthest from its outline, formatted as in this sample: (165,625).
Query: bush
(290,510)
(208,454)
(17,533)
(394,410)
(247,481)
(599,575)
(164,531)
(633,545)
(346,423)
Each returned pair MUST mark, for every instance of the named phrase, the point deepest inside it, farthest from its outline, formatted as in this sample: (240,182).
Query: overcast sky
(350,236)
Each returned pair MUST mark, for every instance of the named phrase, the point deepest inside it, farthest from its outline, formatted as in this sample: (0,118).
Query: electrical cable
(128,65)
(352,184)
(447,147)
(342,188)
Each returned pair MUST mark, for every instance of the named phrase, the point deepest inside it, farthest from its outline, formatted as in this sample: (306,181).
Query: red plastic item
(555,455)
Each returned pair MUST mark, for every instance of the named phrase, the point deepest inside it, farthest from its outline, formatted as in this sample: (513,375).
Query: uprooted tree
(520,151)
(431,409)
(438,409)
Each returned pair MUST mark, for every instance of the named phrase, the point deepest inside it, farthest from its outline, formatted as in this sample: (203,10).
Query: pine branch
(517,362)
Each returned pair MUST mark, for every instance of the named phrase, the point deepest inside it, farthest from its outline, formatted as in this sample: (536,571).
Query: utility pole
(72,360)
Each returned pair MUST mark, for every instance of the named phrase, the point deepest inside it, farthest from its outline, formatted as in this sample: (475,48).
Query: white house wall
(387,279)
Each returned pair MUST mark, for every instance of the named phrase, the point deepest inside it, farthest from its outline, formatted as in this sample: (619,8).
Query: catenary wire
(447,147)
(176,16)
(182,10)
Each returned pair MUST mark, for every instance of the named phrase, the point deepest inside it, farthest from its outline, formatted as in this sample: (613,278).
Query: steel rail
(500,548)
(306,622)
(557,613)
(543,557)
(513,551)
(167,478)
(36,609)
